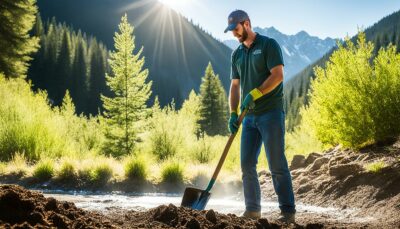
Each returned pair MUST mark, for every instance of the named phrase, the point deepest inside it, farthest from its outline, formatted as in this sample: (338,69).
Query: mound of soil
(21,208)
(179,217)
(341,178)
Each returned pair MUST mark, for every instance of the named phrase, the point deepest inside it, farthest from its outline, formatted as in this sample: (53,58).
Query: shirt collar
(256,39)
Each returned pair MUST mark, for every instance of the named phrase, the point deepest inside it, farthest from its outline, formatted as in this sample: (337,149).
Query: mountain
(382,33)
(298,50)
(176,51)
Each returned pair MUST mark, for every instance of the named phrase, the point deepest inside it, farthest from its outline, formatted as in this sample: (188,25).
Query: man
(256,78)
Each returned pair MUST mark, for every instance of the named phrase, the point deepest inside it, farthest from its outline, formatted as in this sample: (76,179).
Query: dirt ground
(339,178)
(335,178)
(21,208)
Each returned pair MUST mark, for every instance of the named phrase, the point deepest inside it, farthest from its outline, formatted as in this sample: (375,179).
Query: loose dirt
(341,178)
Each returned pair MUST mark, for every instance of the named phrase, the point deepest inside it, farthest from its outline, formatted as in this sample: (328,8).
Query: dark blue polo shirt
(252,66)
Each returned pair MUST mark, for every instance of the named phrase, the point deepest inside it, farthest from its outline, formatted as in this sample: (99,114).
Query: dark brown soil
(21,208)
(178,217)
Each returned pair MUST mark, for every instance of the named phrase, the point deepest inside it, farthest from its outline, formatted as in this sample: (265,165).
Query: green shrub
(44,170)
(172,172)
(165,137)
(202,151)
(163,145)
(67,171)
(101,174)
(375,167)
(354,102)
(28,124)
(136,168)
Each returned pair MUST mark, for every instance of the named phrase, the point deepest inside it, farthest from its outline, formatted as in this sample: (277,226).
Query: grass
(375,167)
(18,165)
(172,172)
(67,171)
(44,170)
(136,168)
(302,141)
(101,174)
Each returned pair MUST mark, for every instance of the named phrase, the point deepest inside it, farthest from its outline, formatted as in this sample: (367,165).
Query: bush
(202,151)
(163,145)
(165,138)
(136,168)
(100,174)
(354,102)
(28,124)
(44,170)
(67,171)
(375,167)
(172,172)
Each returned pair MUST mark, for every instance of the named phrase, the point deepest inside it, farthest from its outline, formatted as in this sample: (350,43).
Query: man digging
(257,80)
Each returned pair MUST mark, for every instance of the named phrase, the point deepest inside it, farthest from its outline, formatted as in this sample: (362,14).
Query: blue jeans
(268,128)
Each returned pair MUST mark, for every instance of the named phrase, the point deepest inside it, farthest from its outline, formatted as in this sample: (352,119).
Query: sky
(322,18)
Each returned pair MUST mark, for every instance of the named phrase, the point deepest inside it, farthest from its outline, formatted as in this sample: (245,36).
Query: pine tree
(67,108)
(97,81)
(37,64)
(17,19)
(124,113)
(63,75)
(79,76)
(213,104)
(50,60)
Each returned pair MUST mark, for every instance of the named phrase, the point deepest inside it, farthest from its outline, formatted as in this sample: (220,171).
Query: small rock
(311,158)
(304,188)
(345,170)
(298,161)
(35,218)
(318,163)
(166,214)
(51,204)
(210,216)
(193,224)
(59,221)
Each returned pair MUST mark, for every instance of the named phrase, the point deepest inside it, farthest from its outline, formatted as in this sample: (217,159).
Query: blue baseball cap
(234,18)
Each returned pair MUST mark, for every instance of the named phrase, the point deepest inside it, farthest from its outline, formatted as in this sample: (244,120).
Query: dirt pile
(21,208)
(178,217)
(170,216)
(342,178)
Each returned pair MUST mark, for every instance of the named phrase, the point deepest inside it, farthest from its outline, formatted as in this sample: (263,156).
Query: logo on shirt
(257,51)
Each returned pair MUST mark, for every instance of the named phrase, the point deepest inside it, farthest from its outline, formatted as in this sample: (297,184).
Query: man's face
(240,32)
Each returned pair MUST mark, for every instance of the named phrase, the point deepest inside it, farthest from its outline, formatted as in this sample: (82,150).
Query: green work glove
(233,122)
(248,101)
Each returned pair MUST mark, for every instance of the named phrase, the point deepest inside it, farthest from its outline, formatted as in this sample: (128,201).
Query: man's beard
(244,36)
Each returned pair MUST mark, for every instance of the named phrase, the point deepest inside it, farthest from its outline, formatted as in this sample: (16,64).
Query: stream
(103,202)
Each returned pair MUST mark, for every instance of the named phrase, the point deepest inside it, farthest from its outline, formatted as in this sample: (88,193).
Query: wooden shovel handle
(225,153)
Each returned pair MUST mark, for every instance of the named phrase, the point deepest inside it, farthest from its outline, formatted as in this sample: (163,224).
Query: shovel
(196,198)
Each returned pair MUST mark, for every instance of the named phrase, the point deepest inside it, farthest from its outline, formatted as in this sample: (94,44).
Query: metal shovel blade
(195,198)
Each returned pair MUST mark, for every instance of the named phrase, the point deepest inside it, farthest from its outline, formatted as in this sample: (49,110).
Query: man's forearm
(271,83)
(234,96)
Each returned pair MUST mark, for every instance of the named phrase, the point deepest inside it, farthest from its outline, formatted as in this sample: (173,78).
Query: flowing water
(143,201)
